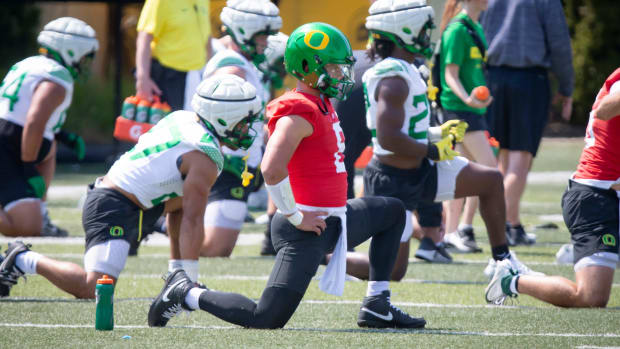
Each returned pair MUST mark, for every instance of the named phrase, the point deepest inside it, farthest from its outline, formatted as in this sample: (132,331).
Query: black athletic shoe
(9,272)
(518,236)
(49,229)
(171,300)
(378,312)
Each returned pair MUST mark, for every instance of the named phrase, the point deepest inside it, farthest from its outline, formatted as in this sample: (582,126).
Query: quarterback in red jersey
(591,208)
(306,179)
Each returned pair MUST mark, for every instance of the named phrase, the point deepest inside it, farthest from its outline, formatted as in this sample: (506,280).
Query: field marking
(420,331)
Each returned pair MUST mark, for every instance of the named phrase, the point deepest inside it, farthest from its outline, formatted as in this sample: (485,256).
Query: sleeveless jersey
(316,170)
(417,115)
(599,165)
(227,57)
(18,87)
(150,171)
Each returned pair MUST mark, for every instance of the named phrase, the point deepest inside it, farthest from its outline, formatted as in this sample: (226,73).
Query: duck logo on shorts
(116,231)
(609,240)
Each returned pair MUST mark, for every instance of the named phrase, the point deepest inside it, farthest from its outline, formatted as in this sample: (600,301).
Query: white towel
(332,281)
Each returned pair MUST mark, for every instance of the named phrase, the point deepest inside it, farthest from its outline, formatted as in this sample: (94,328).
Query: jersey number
(339,155)
(11,85)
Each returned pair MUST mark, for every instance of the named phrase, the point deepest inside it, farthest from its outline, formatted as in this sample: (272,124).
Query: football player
(34,97)
(591,207)
(247,23)
(406,164)
(170,170)
(306,179)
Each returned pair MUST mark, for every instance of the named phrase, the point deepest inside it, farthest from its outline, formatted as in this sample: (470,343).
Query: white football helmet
(273,67)
(244,19)
(68,40)
(408,23)
(227,103)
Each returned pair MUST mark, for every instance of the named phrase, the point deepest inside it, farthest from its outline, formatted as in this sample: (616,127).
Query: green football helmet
(320,55)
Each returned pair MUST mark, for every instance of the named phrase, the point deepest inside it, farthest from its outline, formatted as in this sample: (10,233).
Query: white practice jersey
(150,170)
(227,57)
(18,87)
(417,110)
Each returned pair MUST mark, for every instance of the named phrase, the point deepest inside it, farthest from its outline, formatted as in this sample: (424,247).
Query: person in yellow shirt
(171,48)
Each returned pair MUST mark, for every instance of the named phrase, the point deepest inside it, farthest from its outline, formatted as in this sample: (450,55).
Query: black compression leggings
(298,258)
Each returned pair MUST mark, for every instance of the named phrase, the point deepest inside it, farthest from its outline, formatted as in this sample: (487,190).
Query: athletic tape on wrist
(434,134)
(296,218)
(282,195)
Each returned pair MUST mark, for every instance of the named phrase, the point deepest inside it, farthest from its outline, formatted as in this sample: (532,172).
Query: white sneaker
(499,288)
(565,254)
(517,265)
(262,219)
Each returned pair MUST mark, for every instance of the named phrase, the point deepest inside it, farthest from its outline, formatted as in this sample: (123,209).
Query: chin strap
(246,176)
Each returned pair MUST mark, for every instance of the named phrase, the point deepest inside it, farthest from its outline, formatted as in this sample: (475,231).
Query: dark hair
(380,47)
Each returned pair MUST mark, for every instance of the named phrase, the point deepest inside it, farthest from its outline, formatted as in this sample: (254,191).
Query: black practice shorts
(109,215)
(591,215)
(171,82)
(520,109)
(13,184)
(228,186)
(476,122)
(416,188)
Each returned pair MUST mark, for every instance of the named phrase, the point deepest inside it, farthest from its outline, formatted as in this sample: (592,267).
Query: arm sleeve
(453,43)
(557,40)
(150,21)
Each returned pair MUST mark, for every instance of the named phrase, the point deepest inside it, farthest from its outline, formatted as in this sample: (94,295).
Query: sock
(375,288)
(464,226)
(43,208)
(514,284)
(174,264)
(191,268)
(191,299)
(500,252)
(27,261)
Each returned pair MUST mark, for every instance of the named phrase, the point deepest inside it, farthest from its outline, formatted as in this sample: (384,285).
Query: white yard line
(422,331)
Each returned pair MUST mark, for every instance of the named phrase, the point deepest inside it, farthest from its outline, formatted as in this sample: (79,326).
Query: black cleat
(49,229)
(267,246)
(171,300)
(517,236)
(378,312)
(9,272)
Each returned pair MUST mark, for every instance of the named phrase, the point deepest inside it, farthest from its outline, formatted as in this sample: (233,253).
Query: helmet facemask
(336,80)
(242,135)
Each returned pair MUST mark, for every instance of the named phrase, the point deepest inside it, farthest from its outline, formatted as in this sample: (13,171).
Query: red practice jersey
(316,170)
(600,159)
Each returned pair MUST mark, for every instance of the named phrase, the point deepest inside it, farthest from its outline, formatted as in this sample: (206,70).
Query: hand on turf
(312,221)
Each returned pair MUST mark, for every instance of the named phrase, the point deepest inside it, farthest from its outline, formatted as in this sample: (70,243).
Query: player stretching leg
(591,207)
(170,169)
(306,178)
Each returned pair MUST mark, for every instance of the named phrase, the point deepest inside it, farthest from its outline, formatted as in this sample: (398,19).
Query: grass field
(450,297)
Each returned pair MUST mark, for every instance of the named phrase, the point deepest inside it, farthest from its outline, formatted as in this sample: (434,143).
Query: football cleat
(498,289)
(517,265)
(565,254)
(49,229)
(463,240)
(378,312)
(267,248)
(433,253)
(171,300)
(9,271)
(516,235)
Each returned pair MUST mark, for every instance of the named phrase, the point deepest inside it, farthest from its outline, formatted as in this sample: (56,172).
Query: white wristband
(434,134)
(282,195)
(295,218)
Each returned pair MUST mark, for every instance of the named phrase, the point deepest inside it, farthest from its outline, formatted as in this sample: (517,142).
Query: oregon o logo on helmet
(321,45)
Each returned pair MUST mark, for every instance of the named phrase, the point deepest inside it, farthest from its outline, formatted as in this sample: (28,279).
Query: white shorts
(601,259)
(228,214)
(107,258)
(447,171)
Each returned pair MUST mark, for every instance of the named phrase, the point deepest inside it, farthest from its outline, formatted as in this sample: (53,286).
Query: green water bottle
(104,316)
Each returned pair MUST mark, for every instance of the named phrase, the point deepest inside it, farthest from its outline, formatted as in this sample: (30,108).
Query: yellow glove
(456,128)
(442,150)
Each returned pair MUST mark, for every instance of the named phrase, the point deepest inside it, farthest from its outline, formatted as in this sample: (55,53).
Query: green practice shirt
(458,47)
